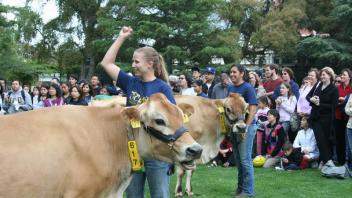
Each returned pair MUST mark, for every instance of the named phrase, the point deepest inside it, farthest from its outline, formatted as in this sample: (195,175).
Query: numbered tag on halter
(185,118)
(135,124)
(222,119)
(137,165)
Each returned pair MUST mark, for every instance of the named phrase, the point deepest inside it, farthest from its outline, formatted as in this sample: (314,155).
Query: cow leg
(178,189)
(188,182)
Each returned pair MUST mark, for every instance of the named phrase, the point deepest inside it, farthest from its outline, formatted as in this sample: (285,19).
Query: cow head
(162,135)
(235,110)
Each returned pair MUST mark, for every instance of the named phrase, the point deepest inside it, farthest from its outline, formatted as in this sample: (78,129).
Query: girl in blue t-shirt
(151,77)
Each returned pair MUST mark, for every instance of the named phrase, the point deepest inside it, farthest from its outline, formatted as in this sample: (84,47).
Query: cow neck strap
(165,138)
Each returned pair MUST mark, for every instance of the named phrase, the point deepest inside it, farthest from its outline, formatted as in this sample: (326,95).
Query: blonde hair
(330,72)
(159,66)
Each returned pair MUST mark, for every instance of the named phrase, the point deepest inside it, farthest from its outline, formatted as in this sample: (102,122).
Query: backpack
(340,172)
(23,94)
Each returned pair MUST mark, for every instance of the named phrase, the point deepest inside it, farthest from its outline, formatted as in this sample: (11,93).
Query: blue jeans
(242,150)
(158,180)
(349,147)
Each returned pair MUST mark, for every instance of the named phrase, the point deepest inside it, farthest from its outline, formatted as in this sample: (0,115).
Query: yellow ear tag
(221,109)
(137,165)
(185,118)
(135,124)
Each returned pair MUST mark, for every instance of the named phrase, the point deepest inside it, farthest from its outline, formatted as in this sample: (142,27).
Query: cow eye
(160,122)
(228,109)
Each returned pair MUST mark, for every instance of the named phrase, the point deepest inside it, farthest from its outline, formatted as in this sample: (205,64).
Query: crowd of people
(297,125)
(55,93)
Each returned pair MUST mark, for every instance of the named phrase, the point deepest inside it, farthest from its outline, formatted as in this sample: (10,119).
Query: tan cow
(205,127)
(81,152)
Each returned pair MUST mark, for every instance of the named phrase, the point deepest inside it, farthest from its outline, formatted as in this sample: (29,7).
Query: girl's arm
(108,62)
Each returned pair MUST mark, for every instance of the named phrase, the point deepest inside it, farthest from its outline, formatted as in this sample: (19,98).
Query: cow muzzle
(192,152)
(239,127)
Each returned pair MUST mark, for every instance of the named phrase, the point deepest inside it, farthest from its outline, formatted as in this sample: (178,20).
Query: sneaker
(330,163)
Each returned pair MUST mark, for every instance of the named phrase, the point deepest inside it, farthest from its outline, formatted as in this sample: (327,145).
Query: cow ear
(186,108)
(219,102)
(130,113)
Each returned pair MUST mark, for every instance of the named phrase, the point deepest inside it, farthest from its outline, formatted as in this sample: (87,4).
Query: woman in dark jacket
(323,98)
(77,97)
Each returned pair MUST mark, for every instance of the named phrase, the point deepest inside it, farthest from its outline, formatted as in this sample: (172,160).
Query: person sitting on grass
(225,155)
(274,139)
(293,158)
(305,140)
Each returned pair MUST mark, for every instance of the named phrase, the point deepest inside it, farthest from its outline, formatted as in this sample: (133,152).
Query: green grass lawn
(217,182)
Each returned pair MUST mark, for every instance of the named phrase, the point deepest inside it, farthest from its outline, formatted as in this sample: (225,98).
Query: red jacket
(343,92)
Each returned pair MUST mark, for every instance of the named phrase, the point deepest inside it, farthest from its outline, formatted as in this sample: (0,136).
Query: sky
(47,10)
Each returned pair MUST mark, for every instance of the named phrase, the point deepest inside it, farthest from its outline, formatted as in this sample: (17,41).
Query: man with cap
(209,83)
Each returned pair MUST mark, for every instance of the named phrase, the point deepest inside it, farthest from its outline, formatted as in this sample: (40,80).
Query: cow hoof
(189,193)
(179,195)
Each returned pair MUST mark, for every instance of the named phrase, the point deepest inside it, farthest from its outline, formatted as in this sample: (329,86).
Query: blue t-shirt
(138,91)
(202,94)
(246,90)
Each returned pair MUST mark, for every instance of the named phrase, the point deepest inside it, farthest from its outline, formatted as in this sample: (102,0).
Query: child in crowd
(305,140)
(293,158)
(198,88)
(274,139)
(262,120)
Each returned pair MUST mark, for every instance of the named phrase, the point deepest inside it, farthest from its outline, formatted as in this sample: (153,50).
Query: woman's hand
(125,32)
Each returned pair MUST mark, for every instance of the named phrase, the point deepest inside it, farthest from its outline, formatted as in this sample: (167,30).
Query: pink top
(53,102)
(303,105)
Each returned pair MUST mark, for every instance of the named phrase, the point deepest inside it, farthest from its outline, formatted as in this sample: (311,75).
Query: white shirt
(188,92)
(306,140)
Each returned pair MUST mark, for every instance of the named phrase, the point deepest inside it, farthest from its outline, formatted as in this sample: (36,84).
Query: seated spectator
(17,100)
(72,80)
(87,92)
(185,84)
(104,91)
(198,86)
(35,96)
(293,158)
(114,90)
(225,155)
(274,139)
(44,89)
(55,98)
(77,97)
(261,118)
(95,82)
(305,140)
(65,92)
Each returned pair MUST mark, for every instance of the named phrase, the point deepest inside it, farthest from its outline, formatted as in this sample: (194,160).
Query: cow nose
(241,126)
(194,151)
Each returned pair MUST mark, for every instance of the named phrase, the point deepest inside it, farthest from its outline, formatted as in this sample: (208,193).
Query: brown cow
(81,152)
(205,127)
